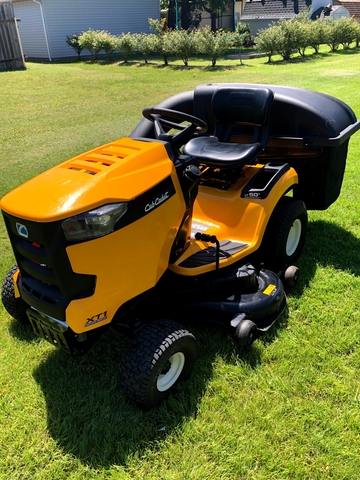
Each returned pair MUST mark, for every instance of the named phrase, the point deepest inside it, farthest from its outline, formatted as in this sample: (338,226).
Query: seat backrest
(248,106)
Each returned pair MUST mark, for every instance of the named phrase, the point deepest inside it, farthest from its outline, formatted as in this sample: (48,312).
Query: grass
(286,409)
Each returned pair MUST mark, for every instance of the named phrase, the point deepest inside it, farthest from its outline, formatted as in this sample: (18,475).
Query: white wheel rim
(293,237)
(167,380)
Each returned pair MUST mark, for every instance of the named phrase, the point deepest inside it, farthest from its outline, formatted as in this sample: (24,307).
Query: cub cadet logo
(156,202)
(100,317)
(22,230)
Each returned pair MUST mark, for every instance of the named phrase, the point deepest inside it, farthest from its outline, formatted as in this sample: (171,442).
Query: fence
(11,54)
(187,15)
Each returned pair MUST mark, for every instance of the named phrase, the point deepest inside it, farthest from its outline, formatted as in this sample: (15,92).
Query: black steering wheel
(162,118)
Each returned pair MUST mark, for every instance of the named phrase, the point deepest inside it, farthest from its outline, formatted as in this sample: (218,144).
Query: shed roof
(273,9)
(353,6)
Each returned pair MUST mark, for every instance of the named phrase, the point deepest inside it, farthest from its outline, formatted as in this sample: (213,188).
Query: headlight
(93,224)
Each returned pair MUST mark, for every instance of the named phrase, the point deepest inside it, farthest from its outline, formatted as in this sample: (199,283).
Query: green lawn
(289,408)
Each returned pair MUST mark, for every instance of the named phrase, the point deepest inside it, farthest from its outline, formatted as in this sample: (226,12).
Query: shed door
(31,29)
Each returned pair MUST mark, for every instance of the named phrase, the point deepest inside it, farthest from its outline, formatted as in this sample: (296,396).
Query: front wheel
(246,333)
(286,233)
(160,356)
(15,306)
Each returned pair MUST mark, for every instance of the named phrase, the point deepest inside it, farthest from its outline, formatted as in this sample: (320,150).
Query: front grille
(47,280)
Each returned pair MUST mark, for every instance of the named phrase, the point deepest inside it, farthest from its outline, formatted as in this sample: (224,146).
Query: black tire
(286,233)
(291,276)
(161,355)
(16,307)
(246,333)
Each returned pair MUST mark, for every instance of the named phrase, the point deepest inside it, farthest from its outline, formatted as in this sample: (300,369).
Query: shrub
(357,34)
(300,25)
(126,44)
(288,39)
(156,26)
(184,44)
(145,44)
(348,29)
(73,42)
(94,41)
(214,44)
(164,45)
(318,33)
(341,32)
(243,31)
(267,40)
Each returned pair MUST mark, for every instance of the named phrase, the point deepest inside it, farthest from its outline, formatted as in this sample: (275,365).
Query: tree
(215,8)
(190,11)
(241,37)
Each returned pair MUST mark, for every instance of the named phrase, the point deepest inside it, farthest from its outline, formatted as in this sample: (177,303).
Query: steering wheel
(162,118)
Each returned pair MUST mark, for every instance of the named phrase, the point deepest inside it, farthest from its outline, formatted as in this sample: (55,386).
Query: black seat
(234,108)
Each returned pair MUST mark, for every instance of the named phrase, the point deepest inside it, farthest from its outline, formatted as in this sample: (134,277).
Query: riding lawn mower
(198,215)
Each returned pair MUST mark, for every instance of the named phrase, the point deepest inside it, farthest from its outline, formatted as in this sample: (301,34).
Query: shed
(331,11)
(260,14)
(352,6)
(45,24)
(338,11)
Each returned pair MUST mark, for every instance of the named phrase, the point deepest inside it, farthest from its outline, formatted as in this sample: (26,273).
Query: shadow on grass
(313,57)
(90,419)
(23,332)
(327,244)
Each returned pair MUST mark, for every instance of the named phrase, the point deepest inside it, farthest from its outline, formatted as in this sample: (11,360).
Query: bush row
(287,37)
(179,43)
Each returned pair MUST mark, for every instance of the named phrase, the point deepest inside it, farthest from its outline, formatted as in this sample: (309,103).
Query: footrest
(208,255)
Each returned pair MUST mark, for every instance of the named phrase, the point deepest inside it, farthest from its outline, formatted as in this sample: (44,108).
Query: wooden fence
(11,54)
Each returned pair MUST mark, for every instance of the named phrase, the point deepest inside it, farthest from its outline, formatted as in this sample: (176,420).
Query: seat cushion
(210,151)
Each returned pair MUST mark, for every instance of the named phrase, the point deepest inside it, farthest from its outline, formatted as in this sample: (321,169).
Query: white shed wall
(258,24)
(340,12)
(31,29)
(65,17)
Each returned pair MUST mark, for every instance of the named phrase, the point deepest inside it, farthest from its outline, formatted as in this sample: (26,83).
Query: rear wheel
(16,307)
(160,356)
(286,233)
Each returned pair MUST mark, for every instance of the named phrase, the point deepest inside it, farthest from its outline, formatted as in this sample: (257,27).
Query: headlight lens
(93,224)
